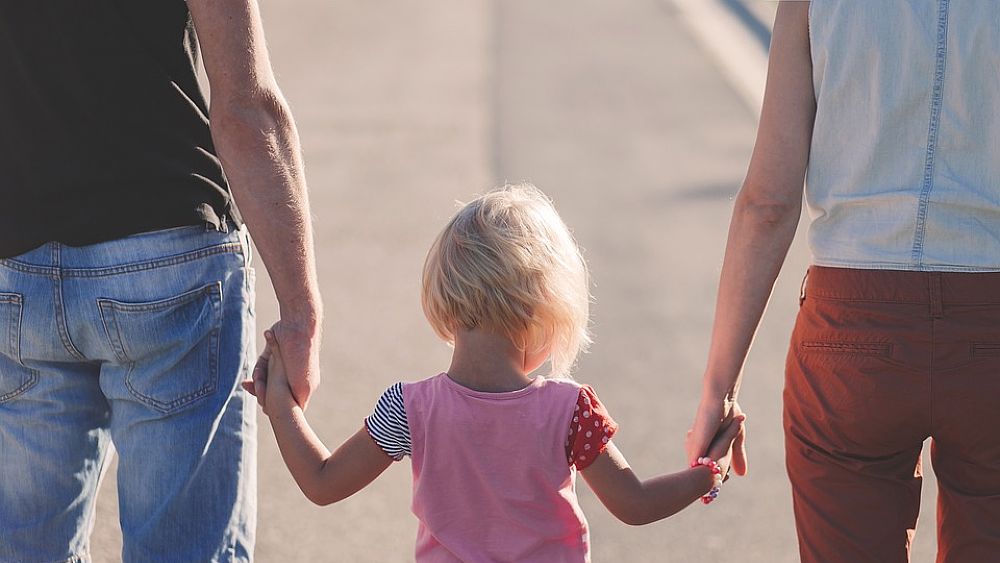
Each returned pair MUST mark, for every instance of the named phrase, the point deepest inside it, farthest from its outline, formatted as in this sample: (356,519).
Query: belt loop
(802,288)
(934,292)
(244,233)
(221,227)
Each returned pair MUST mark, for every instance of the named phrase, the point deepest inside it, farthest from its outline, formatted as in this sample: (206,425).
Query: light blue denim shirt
(904,172)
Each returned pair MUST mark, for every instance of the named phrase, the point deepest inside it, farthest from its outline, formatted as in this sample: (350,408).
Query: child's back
(491,481)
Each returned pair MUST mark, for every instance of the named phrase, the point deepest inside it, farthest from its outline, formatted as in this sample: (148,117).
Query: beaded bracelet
(717,478)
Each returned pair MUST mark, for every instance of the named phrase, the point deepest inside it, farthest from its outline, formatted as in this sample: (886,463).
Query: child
(495,451)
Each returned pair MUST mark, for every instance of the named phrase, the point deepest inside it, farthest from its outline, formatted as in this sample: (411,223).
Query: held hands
(715,420)
(730,431)
(270,383)
(300,349)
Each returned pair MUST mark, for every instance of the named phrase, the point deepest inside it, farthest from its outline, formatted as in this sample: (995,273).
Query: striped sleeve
(387,425)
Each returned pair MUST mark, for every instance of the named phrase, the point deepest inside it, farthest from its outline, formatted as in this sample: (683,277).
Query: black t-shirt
(103,126)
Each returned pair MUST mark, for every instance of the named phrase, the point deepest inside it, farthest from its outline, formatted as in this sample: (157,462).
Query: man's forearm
(259,148)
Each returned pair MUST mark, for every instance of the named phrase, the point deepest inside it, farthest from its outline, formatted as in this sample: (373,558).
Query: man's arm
(256,139)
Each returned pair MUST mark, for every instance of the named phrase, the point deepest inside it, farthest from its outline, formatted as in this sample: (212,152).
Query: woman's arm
(764,220)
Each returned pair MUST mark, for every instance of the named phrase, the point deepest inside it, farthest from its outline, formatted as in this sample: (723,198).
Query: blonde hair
(507,263)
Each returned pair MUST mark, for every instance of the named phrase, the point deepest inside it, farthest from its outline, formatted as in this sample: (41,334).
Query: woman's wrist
(718,388)
(718,381)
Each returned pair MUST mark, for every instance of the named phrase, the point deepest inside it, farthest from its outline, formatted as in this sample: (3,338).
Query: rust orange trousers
(879,361)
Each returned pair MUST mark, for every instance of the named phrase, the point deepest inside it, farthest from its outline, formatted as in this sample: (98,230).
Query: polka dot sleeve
(590,430)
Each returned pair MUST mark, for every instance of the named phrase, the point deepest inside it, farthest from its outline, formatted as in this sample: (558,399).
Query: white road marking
(727,40)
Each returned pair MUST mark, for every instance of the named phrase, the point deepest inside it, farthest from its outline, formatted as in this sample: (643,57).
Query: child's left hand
(277,398)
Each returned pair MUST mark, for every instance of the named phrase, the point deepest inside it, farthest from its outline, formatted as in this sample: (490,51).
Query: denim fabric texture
(136,345)
(904,170)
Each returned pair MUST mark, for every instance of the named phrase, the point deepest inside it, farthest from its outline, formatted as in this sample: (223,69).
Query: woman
(888,110)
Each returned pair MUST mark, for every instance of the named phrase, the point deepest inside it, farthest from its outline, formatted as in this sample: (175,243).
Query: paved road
(616,113)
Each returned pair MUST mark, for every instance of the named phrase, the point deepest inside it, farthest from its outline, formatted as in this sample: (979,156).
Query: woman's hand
(713,418)
(727,445)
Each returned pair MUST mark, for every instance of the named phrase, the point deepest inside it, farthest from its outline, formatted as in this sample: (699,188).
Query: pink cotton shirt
(490,478)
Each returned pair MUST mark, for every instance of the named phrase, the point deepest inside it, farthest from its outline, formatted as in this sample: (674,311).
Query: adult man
(126,291)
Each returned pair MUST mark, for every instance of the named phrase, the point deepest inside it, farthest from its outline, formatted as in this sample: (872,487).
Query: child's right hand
(279,399)
(721,448)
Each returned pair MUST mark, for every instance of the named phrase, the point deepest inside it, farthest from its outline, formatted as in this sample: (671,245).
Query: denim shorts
(136,345)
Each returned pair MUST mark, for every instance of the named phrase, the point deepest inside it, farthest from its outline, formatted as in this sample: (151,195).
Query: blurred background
(638,119)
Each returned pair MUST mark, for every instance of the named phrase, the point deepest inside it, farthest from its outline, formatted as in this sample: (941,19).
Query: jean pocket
(169,347)
(15,378)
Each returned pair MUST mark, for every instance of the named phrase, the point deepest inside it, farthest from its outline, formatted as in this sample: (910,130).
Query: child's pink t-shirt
(491,480)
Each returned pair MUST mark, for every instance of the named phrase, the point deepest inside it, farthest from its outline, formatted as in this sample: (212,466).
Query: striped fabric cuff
(387,425)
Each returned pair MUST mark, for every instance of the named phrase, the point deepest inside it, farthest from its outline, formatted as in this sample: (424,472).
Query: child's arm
(636,502)
(324,478)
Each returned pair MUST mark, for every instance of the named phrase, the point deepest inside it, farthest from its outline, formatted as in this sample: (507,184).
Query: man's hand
(299,347)
(300,350)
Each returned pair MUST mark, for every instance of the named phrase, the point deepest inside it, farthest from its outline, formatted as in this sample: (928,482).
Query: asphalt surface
(615,112)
